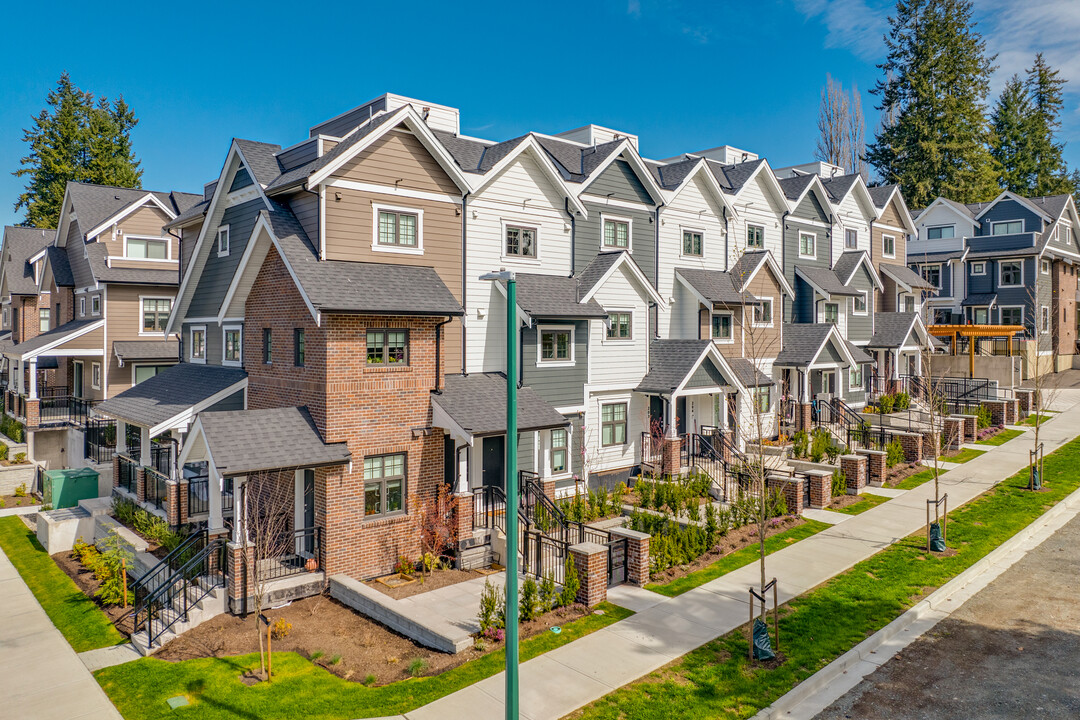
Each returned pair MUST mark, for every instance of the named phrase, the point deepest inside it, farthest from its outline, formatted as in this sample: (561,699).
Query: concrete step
(475,557)
(207,608)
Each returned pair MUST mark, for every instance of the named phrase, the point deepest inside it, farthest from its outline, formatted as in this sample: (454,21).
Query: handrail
(181,580)
(139,587)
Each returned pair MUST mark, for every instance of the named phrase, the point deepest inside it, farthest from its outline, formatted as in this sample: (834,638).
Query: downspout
(180,279)
(783,260)
(656,269)
(464,274)
(573,233)
(438,354)
(832,228)
(727,248)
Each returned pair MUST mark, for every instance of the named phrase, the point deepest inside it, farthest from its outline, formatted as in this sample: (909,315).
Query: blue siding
(803,309)
(1001,242)
(1010,210)
(559,386)
(218,272)
(241,180)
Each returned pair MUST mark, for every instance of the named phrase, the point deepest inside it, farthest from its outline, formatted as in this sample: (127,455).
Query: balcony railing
(157,491)
(99,441)
(199,496)
(64,409)
(128,470)
(291,553)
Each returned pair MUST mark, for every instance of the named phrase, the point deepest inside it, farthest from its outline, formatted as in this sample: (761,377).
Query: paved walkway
(44,677)
(574,675)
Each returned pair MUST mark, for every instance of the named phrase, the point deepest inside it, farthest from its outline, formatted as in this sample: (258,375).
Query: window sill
(399,250)
(376,520)
(223,254)
(520,259)
(386,368)
(232,363)
(722,341)
(564,364)
(197,361)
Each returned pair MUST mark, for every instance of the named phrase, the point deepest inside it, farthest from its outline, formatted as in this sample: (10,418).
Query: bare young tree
(841,127)
(856,132)
(1040,297)
(436,521)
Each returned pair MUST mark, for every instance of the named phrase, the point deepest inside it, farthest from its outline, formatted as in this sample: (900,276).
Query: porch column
(121,437)
(672,423)
(144,446)
(213,488)
(33,379)
(895,374)
(21,370)
(804,385)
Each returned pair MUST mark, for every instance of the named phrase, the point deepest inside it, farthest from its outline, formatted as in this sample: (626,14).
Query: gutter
(573,234)
(438,353)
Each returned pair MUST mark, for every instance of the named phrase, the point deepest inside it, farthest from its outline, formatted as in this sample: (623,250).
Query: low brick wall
(997,411)
(1026,397)
(637,554)
(854,469)
(876,469)
(953,436)
(913,446)
(820,489)
(792,490)
(590,560)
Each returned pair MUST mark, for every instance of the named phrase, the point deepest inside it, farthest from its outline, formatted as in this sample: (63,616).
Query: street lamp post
(511,492)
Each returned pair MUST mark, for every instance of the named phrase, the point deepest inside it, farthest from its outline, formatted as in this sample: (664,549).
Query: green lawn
(716,681)
(914,481)
(301,689)
(1033,420)
(964,455)
(865,503)
(75,615)
(737,559)
(1001,438)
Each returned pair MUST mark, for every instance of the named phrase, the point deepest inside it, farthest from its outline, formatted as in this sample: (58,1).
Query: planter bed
(12,501)
(900,473)
(84,579)
(425,583)
(1000,437)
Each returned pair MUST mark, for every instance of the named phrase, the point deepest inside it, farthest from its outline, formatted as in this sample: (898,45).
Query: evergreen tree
(75,139)
(1051,177)
(936,79)
(1011,138)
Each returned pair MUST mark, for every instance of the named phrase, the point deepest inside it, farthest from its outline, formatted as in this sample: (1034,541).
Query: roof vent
(115,197)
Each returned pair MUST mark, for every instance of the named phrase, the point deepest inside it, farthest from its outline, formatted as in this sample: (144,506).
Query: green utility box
(65,488)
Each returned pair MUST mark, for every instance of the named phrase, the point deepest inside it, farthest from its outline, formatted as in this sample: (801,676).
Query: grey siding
(559,386)
(233,402)
(861,327)
(526,445)
(218,272)
(576,461)
(240,180)
(811,209)
(336,127)
(801,310)
(830,354)
(590,233)
(706,376)
(857,395)
(299,155)
(1024,240)
(1010,210)
(80,266)
(620,181)
(213,342)
(305,207)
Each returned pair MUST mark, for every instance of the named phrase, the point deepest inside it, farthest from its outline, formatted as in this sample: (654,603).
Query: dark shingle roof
(891,329)
(671,175)
(343,286)
(97,255)
(934,256)
(827,280)
(748,373)
(161,398)
(261,160)
(195,211)
(838,186)
(802,343)
(554,296)
(907,276)
(1052,205)
(714,285)
(596,270)
(670,361)
(467,152)
(860,355)
(94,204)
(746,265)
(248,441)
(57,334)
(477,403)
(979,299)
(127,350)
(794,187)
(737,175)
(881,194)
(21,244)
(61,268)
(847,263)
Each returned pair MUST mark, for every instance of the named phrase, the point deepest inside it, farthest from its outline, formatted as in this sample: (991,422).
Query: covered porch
(900,340)
(815,366)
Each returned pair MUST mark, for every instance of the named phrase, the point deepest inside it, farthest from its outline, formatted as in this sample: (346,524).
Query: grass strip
(914,481)
(736,560)
(865,502)
(301,689)
(717,681)
(75,615)
(1033,420)
(1001,438)
(964,455)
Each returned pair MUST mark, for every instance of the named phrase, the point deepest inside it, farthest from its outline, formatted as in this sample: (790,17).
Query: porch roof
(892,329)
(826,282)
(978,300)
(715,286)
(860,355)
(241,442)
(554,296)
(905,276)
(51,342)
(475,404)
(748,373)
(126,351)
(804,343)
(173,396)
(672,363)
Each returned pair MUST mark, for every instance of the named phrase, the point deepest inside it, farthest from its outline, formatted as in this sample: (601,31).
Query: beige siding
(761,343)
(892,218)
(399,158)
(123,321)
(147,220)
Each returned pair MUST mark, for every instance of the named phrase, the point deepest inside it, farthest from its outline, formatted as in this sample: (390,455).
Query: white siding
(850,215)
(619,363)
(757,205)
(601,459)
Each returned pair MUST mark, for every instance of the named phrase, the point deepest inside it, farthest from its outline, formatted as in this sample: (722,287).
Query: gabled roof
(748,373)
(20,244)
(848,263)
(861,356)
(979,299)
(1009,195)
(750,263)
(826,282)
(553,296)
(906,277)
(594,163)
(174,396)
(475,405)
(41,344)
(673,362)
(97,254)
(260,159)
(803,343)
(712,286)
(960,209)
(195,212)
(604,265)
(129,350)
(57,261)
(892,329)
(838,187)
(95,205)
(677,176)
(882,194)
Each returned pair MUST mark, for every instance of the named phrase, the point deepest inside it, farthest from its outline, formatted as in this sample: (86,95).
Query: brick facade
(953,436)
(854,469)
(820,488)
(931,444)
(33,412)
(1063,308)
(464,515)
(671,458)
(792,490)
(590,560)
(1027,400)
(876,469)
(997,411)
(804,417)
(913,446)
(637,555)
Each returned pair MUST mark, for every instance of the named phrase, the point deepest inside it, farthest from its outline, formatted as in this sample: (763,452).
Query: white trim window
(613,424)
(82,308)
(860,305)
(1007,227)
(723,328)
(932,275)
(560,452)
(95,375)
(155,315)
(1066,234)
(978,268)
(232,345)
(693,243)
(1044,266)
(763,313)
(888,246)
(1044,319)
(621,325)
(762,399)
(755,237)
(832,313)
(855,377)
(851,238)
(1011,273)
(941,232)
(146,247)
(43,320)
(1012,314)
(555,346)
(95,305)
(197,344)
(397,229)
(807,245)
(521,242)
(616,233)
(223,243)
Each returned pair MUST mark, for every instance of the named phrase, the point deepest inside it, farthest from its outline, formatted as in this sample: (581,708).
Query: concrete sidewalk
(44,676)
(574,675)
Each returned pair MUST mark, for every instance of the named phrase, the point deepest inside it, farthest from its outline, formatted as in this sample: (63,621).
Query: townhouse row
(331,334)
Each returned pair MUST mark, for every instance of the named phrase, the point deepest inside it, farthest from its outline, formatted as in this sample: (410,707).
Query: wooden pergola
(973,333)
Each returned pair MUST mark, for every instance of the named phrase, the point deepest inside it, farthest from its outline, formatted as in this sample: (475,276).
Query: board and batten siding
(560,386)
(620,363)
(217,273)
(400,160)
(521,195)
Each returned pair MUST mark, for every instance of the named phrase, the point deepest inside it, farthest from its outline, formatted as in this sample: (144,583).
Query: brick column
(953,436)
(854,469)
(463,516)
(971,427)
(804,417)
(671,462)
(792,490)
(820,488)
(140,483)
(590,559)
(241,577)
(875,466)
(549,487)
(33,413)
(931,443)
(997,411)
(912,443)
(1026,398)
(637,555)
(116,471)
(182,510)
(172,503)
(1013,411)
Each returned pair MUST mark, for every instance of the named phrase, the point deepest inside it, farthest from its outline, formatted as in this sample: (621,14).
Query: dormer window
(223,241)
(1009,227)
(147,248)
(616,233)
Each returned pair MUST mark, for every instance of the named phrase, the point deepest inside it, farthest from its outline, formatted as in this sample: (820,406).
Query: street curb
(831,682)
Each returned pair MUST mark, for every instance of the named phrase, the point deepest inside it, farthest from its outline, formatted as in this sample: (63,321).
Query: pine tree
(74,139)
(1011,138)
(936,79)
(1051,177)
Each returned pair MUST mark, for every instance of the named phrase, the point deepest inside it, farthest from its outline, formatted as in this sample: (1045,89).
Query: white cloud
(858,25)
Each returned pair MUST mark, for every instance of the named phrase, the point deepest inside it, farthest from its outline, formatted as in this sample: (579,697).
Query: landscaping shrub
(801,444)
(12,428)
(571,584)
(903,401)
(110,572)
(886,402)
(490,599)
(4,449)
(152,527)
(404,566)
(20,458)
(819,445)
(20,491)
(549,596)
(839,483)
(529,602)
(984,416)
(417,667)
(280,629)
(644,490)
(894,453)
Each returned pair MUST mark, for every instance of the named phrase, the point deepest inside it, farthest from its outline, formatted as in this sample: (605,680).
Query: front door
(494,461)
(680,415)
(828,382)
(76,381)
(309,509)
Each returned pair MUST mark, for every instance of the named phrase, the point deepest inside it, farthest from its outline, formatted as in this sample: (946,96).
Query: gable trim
(635,161)
(635,271)
(543,159)
(149,197)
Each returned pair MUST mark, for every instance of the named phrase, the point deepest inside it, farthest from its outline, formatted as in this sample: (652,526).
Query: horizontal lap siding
(600,458)
(620,363)
(861,327)
(763,342)
(214,339)
(559,386)
(80,267)
(218,272)
(241,180)
(1010,210)
(850,217)
(890,216)
(299,155)
(147,220)
(305,206)
(590,233)
(123,321)
(757,205)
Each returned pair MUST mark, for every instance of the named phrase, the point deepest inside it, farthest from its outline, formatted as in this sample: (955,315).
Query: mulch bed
(842,501)
(361,646)
(425,583)
(10,501)
(733,541)
(902,472)
(89,585)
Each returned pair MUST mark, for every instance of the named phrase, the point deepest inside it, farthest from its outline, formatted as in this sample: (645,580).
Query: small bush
(839,483)
(20,491)
(334,660)
(4,449)
(984,417)
(894,453)
(903,401)
(571,584)
(548,594)
(369,680)
(529,602)
(479,644)
(887,402)
(417,667)
(20,458)
(490,598)
(280,629)
(801,444)
(316,655)
(110,571)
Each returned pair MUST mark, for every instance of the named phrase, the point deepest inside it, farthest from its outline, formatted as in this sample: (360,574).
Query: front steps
(209,607)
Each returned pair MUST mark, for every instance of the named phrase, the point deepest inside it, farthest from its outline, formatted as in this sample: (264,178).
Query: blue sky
(682,75)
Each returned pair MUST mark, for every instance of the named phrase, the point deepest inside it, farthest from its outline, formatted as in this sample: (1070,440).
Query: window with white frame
(82,307)
(95,305)
(941,232)
(1012,315)
(613,424)
(616,233)
(43,320)
(1008,227)
(1044,267)
(155,314)
(145,372)
(692,243)
(722,327)
(851,238)
(932,274)
(763,315)
(398,229)
(1011,273)
(855,377)
(1044,319)
(556,346)
(807,245)
(832,313)
(978,268)
(621,327)
(980,315)
(858,304)
(559,451)
(888,246)
(146,248)
(223,240)
(1067,235)
(232,345)
(520,241)
(755,237)
(762,397)
(384,485)
(197,344)
(95,375)
(909,303)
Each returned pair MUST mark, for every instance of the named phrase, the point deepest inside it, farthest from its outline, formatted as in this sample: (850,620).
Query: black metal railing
(157,490)
(128,471)
(293,551)
(198,494)
(179,591)
(150,580)
(708,458)
(161,458)
(544,556)
(99,440)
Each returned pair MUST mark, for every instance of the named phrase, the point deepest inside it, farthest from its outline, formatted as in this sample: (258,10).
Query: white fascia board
(149,197)
(635,271)
(531,145)
(183,418)
(60,341)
